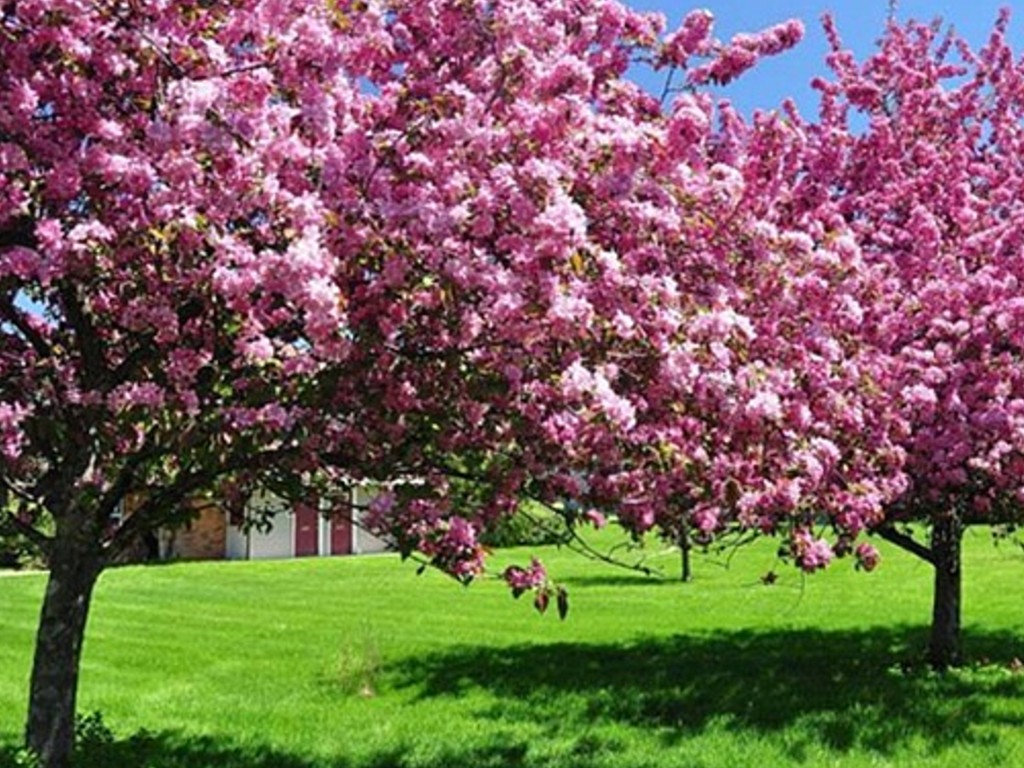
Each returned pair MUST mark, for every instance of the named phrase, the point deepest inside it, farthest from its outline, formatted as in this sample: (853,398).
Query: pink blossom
(12,437)
(577,381)
(257,349)
(136,395)
(693,35)
(525,579)
(571,312)
(20,261)
(867,556)
(380,507)
(811,554)
(765,405)
(707,518)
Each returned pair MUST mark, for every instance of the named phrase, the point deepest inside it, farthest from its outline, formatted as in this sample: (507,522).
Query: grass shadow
(848,689)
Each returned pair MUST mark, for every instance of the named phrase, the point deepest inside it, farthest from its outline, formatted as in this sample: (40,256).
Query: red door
(307,528)
(341,534)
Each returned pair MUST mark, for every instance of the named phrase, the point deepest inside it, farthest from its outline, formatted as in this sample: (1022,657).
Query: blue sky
(860,23)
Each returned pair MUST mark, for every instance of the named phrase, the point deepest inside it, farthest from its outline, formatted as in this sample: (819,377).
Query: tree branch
(159,507)
(18,231)
(15,523)
(145,352)
(577,544)
(93,361)
(905,542)
(17,318)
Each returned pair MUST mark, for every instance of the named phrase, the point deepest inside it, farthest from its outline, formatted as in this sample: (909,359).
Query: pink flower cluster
(522,580)
(12,439)
(810,553)
(868,557)
(744,50)
(692,37)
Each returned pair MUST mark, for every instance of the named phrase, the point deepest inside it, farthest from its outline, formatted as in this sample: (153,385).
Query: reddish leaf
(540,602)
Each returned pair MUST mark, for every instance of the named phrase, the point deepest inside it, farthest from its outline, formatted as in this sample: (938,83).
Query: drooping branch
(573,541)
(581,546)
(159,507)
(126,477)
(152,514)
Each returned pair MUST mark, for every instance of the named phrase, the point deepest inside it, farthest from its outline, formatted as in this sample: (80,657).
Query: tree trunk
(944,645)
(75,564)
(684,548)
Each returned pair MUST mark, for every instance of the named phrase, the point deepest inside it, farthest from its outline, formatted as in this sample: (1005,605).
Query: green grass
(359,663)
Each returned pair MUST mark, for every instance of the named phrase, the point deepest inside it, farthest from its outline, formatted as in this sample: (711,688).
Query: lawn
(360,663)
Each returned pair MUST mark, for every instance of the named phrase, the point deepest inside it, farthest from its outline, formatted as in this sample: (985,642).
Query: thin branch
(165,57)
(741,540)
(145,352)
(667,89)
(152,514)
(577,544)
(126,477)
(583,548)
(156,507)
(239,70)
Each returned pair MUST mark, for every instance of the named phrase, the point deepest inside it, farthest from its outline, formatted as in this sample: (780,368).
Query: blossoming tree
(928,179)
(277,242)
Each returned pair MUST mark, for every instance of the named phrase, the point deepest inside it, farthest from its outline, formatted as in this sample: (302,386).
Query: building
(293,532)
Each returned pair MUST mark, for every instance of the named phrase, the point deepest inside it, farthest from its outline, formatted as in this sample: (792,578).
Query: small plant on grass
(358,667)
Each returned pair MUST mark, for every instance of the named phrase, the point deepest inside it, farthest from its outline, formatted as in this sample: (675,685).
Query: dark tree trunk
(75,564)
(944,644)
(684,548)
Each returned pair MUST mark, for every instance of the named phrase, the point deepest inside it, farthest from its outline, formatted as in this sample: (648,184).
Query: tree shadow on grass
(655,579)
(170,749)
(845,690)
(173,750)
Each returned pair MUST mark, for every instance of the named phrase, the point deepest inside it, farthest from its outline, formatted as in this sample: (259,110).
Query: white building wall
(364,542)
(279,541)
(237,543)
(323,539)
